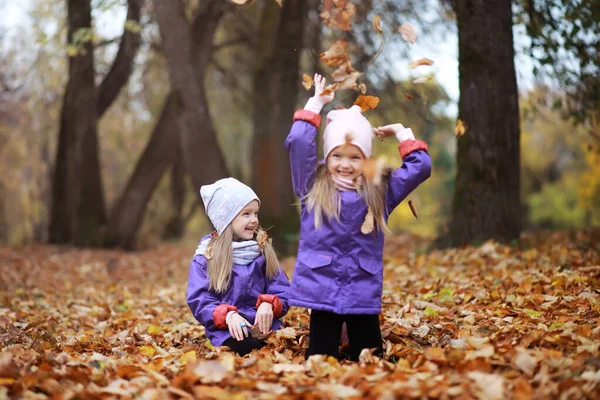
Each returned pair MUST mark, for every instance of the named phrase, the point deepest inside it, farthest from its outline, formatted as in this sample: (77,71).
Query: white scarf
(243,252)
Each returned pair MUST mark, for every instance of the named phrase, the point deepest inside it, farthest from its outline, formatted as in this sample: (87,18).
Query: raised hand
(320,85)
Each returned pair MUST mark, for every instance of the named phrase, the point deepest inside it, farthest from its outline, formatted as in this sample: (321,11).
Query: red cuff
(220,315)
(308,116)
(409,145)
(274,300)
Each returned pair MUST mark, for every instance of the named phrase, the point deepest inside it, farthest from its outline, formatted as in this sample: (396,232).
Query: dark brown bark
(128,212)
(78,213)
(276,86)
(203,159)
(122,66)
(77,203)
(486,202)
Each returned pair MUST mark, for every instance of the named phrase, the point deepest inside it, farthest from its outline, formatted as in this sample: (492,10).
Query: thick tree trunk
(162,148)
(276,86)
(486,202)
(201,153)
(78,205)
(78,213)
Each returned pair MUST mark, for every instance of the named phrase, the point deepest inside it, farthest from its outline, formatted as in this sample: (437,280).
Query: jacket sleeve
(276,294)
(302,147)
(415,169)
(206,306)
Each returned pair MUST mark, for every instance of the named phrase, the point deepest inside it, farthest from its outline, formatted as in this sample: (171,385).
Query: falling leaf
(408,96)
(307,81)
(329,89)
(419,62)
(336,54)
(408,32)
(280,2)
(413,209)
(460,128)
(337,13)
(369,223)
(342,72)
(377,23)
(367,102)
(362,87)
(423,79)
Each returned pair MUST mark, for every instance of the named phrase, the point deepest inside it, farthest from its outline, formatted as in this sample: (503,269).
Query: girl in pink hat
(339,269)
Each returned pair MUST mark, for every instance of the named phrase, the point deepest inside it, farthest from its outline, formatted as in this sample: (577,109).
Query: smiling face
(346,161)
(246,222)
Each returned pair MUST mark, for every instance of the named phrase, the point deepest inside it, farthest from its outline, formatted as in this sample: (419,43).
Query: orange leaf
(377,23)
(336,54)
(408,96)
(328,90)
(413,209)
(367,102)
(408,32)
(422,61)
(307,81)
(280,2)
(342,72)
(460,128)
(337,13)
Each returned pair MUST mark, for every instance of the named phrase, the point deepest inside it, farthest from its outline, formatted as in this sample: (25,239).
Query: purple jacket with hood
(339,269)
(249,287)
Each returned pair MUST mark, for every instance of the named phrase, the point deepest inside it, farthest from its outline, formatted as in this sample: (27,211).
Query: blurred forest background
(114,112)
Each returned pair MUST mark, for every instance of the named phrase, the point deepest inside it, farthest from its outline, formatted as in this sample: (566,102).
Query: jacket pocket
(372,265)
(315,260)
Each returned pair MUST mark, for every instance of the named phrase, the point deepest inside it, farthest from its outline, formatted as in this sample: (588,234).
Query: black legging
(326,328)
(245,346)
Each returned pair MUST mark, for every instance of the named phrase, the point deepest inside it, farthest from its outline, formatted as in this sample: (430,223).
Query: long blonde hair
(324,198)
(220,260)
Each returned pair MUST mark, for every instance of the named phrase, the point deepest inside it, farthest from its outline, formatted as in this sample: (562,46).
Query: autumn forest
(113,114)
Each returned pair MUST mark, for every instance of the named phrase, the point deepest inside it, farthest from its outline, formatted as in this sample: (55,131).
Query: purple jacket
(249,287)
(338,268)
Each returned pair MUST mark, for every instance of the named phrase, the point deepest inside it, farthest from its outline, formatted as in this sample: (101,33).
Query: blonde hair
(323,197)
(220,263)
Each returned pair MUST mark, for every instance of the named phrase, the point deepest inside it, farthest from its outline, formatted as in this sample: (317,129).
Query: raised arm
(416,166)
(301,141)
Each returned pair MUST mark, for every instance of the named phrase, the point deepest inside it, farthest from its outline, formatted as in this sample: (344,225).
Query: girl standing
(339,269)
(235,279)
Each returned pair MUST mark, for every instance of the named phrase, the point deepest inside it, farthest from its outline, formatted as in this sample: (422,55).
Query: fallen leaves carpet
(488,322)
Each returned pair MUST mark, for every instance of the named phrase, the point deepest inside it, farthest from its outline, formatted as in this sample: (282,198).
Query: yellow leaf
(460,128)
(307,81)
(377,23)
(190,356)
(148,351)
(154,330)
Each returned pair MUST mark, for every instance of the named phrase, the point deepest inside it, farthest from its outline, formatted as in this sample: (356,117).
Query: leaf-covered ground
(491,322)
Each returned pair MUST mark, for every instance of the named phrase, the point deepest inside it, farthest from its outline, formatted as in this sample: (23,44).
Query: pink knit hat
(340,124)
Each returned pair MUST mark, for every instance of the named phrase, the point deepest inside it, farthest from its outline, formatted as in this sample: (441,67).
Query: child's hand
(316,103)
(320,85)
(238,327)
(264,317)
(397,130)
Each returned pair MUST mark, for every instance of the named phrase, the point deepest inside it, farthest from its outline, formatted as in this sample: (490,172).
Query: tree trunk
(176,225)
(276,86)
(78,205)
(165,146)
(486,202)
(128,212)
(201,153)
(78,213)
